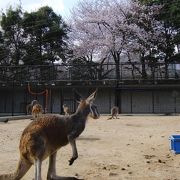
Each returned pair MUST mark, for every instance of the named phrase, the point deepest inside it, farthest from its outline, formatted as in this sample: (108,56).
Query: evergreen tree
(45,34)
(11,25)
(3,51)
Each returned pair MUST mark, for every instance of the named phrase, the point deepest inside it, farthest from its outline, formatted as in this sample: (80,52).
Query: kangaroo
(114,112)
(66,110)
(29,106)
(45,136)
(37,110)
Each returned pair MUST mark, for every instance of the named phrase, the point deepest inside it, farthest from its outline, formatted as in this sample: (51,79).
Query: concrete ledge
(11,118)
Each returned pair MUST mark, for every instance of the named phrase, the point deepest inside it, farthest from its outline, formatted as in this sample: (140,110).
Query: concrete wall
(158,101)
(55,101)
(105,100)
(67,96)
(163,102)
(136,102)
(5,101)
(130,101)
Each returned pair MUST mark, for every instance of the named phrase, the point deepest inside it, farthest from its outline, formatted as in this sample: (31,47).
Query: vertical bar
(26,99)
(51,99)
(12,102)
(5,108)
(120,92)
(61,100)
(36,96)
(131,101)
(153,101)
(46,99)
(109,100)
(116,97)
(175,110)
(74,101)
(121,71)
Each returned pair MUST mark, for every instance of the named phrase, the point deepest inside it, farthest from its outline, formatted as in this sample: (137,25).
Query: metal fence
(59,79)
(46,73)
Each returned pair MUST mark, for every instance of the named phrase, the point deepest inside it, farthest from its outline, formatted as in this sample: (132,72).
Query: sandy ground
(131,147)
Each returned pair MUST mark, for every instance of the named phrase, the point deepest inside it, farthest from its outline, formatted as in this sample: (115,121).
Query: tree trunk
(116,56)
(143,65)
(166,69)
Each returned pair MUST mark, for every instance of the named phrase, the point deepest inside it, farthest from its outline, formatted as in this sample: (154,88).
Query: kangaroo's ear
(78,102)
(92,97)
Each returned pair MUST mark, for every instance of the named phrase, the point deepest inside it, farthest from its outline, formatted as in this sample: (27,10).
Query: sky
(61,7)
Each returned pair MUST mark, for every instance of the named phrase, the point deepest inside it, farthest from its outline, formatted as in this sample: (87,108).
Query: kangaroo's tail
(23,167)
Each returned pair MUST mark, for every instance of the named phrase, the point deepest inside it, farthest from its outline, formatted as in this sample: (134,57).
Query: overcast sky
(61,7)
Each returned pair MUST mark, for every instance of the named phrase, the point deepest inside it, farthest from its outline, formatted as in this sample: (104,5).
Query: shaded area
(67,178)
(89,138)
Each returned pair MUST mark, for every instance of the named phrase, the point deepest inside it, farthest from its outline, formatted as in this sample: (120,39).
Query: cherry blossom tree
(96,31)
(147,36)
(113,28)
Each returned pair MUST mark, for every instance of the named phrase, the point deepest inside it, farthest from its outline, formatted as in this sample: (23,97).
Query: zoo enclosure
(126,92)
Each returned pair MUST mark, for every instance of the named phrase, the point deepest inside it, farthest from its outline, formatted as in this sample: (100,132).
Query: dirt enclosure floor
(128,148)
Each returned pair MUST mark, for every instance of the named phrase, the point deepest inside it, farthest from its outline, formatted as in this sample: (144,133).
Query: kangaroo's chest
(76,129)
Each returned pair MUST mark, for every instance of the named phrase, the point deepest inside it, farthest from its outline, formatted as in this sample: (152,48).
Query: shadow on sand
(88,138)
(68,178)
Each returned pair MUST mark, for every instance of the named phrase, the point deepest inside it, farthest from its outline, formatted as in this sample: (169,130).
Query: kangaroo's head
(86,106)
(34,102)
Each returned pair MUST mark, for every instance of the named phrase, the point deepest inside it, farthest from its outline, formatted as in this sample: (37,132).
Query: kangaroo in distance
(37,110)
(66,110)
(29,106)
(45,136)
(114,112)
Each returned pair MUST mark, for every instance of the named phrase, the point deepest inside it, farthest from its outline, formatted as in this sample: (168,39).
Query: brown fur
(29,106)
(43,137)
(37,110)
(114,112)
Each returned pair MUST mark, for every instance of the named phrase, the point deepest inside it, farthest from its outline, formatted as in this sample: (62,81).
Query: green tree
(3,51)
(11,25)
(46,35)
(169,16)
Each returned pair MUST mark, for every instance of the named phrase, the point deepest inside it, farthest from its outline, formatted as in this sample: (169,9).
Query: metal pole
(109,99)
(175,104)
(51,97)
(131,102)
(12,102)
(61,100)
(152,101)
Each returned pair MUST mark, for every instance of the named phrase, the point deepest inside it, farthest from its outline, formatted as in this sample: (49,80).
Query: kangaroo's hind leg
(52,170)
(52,167)
(38,164)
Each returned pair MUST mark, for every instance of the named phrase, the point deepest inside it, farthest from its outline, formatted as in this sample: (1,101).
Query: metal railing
(46,73)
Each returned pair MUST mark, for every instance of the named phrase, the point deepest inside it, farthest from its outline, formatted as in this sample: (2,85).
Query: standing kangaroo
(45,136)
(114,112)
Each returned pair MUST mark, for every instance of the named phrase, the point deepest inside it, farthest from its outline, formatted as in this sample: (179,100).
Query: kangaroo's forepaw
(71,161)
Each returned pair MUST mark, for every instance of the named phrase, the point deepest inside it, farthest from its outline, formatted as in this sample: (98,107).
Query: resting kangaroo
(45,136)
